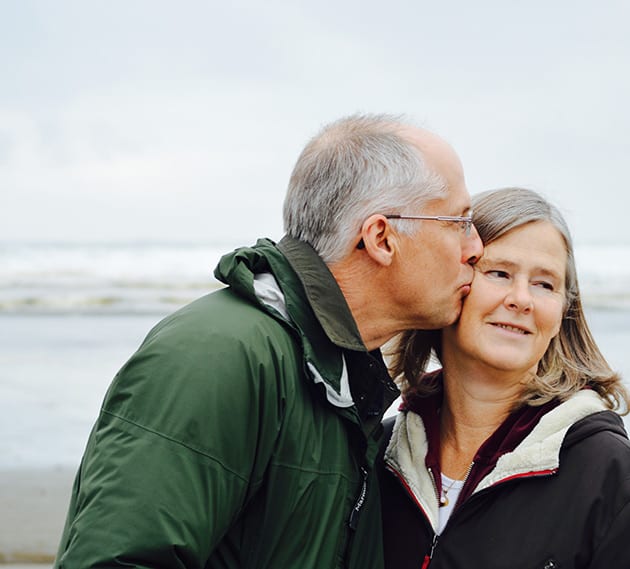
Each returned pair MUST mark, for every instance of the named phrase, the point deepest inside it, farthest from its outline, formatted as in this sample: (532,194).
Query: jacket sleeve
(181,444)
(613,550)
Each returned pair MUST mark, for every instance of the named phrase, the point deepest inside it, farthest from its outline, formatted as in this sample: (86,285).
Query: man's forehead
(456,202)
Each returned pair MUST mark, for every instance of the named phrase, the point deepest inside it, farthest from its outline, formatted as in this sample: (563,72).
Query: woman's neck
(475,404)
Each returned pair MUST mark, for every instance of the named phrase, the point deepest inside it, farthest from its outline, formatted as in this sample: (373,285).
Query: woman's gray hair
(355,167)
(571,362)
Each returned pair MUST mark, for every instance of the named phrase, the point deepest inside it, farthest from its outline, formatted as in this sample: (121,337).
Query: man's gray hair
(355,167)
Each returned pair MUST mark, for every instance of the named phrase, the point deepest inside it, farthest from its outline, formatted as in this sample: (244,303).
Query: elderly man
(242,433)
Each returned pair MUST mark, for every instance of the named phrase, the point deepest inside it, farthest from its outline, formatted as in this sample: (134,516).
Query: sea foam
(157,278)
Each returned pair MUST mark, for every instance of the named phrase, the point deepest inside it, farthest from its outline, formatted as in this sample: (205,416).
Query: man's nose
(472,249)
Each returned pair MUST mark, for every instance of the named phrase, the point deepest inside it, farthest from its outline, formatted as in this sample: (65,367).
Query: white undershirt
(454,487)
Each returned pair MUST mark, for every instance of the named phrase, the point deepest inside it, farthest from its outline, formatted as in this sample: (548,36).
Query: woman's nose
(519,297)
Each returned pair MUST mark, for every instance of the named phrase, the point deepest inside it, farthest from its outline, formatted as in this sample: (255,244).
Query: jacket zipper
(472,464)
(435,487)
(353,520)
(427,558)
(356,510)
(401,479)
(434,482)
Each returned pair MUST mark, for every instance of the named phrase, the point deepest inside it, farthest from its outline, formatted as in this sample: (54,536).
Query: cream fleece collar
(538,452)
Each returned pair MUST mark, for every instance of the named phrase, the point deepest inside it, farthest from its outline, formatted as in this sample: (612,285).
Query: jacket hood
(238,268)
(595,423)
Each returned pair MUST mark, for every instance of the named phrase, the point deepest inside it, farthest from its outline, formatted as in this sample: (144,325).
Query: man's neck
(367,305)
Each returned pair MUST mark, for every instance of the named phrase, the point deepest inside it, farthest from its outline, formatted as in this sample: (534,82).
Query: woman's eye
(497,274)
(544,284)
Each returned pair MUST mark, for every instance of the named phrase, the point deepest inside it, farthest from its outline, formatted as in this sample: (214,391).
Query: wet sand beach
(33,503)
(54,371)
(25,565)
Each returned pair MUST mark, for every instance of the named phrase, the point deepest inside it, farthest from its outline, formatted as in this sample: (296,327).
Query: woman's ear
(378,239)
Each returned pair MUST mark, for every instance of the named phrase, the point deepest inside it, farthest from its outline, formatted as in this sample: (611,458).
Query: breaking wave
(159,278)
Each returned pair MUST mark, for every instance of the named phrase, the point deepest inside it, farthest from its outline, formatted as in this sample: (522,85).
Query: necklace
(444,501)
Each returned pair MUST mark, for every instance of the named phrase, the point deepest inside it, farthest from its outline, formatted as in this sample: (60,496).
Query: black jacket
(559,500)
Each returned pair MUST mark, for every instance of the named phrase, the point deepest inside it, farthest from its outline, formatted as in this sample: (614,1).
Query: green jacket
(230,438)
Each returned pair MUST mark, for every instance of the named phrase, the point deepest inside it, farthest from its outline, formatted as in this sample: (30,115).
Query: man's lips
(465,288)
(511,327)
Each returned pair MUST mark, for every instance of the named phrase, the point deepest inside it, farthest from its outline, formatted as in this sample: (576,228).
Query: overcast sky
(181,121)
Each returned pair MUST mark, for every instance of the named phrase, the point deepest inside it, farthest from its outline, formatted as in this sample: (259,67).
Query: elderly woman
(513,455)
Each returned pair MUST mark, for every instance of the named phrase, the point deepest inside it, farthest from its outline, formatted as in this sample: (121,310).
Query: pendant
(443,501)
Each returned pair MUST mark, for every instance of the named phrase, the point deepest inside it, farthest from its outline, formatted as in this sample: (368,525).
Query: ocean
(136,278)
(70,315)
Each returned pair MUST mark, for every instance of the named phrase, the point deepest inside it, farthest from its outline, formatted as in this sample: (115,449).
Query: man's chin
(448,320)
(457,312)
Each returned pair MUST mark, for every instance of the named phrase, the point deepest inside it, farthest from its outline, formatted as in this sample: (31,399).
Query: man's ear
(378,239)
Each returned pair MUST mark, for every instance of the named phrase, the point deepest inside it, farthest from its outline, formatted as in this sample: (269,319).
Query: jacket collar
(323,292)
(297,288)
(504,439)
(537,452)
(540,449)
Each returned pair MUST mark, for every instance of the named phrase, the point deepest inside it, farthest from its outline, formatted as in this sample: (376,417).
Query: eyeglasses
(465,221)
